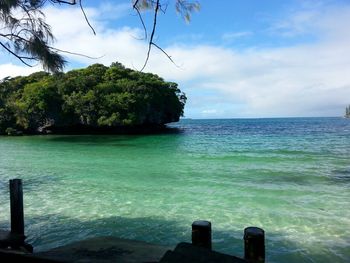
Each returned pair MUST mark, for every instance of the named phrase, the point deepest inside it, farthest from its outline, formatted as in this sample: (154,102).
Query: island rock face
(96,98)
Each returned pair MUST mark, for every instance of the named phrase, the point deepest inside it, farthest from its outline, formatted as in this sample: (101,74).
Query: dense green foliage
(97,97)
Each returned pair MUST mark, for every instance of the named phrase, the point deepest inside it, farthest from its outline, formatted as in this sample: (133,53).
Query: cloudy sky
(242,58)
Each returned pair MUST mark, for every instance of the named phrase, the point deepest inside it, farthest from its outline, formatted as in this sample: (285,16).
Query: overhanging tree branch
(135,7)
(73,2)
(21,58)
(185,8)
(30,34)
(165,53)
(156,9)
(74,53)
(86,19)
(10,36)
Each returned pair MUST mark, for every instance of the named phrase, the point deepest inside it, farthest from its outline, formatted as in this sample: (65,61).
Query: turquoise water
(289,176)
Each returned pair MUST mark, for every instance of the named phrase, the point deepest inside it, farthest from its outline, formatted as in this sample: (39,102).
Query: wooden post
(16,204)
(254,245)
(201,234)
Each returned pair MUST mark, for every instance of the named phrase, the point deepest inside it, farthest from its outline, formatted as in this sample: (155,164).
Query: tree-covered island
(93,99)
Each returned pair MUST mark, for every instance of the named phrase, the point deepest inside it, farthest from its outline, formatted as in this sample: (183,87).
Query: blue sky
(236,58)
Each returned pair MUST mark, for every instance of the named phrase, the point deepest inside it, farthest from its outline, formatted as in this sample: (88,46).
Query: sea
(288,176)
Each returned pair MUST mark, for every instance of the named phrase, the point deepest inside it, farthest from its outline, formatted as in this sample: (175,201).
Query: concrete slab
(188,253)
(106,249)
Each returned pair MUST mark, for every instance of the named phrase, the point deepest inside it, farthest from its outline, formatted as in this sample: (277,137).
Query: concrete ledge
(106,249)
(188,253)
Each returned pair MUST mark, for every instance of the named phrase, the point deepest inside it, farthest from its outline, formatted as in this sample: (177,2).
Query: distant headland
(96,99)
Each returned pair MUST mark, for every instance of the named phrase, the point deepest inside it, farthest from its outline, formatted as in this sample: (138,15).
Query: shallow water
(289,176)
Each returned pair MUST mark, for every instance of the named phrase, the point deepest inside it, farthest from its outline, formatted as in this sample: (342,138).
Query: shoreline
(92,130)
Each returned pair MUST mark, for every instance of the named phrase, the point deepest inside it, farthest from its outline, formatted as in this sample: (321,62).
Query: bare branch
(74,2)
(64,2)
(165,53)
(17,56)
(184,7)
(152,34)
(86,19)
(74,53)
(141,19)
(9,36)
(164,9)
(136,3)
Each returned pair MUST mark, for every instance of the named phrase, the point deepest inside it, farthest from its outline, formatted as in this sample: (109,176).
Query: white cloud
(210,111)
(235,35)
(298,80)
(314,18)
(11,70)
(299,23)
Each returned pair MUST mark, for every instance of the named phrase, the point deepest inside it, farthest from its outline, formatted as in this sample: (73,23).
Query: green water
(289,176)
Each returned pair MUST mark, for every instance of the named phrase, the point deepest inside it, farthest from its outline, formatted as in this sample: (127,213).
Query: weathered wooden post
(254,245)
(14,239)
(201,233)
(16,204)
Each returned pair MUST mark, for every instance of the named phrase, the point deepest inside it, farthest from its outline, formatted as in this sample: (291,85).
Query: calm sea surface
(289,176)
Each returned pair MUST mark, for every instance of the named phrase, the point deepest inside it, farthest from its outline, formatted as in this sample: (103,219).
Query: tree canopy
(25,34)
(93,98)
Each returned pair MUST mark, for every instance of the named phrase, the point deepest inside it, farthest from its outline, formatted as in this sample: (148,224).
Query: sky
(235,59)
